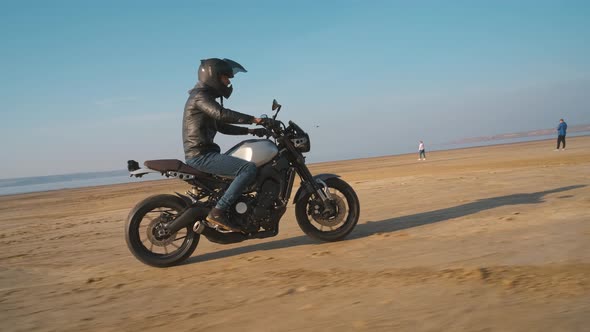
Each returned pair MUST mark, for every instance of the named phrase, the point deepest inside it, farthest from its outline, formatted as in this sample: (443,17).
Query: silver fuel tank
(258,151)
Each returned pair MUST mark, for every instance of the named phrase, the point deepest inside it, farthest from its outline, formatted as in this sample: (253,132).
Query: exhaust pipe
(189,216)
(199,227)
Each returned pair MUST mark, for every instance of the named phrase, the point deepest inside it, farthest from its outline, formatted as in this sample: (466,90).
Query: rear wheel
(147,237)
(315,220)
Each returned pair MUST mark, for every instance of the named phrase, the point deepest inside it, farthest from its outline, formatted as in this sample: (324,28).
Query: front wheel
(148,239)
(315,220)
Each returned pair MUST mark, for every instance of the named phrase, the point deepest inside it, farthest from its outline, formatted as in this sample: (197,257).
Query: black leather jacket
(203,118)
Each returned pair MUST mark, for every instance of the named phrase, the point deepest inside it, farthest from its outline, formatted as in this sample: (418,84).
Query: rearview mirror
(275,105)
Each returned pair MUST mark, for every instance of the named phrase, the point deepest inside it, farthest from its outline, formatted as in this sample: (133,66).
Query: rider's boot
(219,218)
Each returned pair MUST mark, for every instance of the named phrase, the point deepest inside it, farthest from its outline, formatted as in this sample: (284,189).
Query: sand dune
(480,239)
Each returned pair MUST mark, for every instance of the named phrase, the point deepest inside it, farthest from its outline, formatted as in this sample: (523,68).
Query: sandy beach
(481,239)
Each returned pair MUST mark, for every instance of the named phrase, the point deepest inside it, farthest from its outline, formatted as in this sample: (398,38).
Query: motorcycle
(164,230)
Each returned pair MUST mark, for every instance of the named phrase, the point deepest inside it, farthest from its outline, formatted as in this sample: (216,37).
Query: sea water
(55,182)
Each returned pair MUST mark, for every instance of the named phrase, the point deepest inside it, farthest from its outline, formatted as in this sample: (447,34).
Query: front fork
(319,187)
(323,191)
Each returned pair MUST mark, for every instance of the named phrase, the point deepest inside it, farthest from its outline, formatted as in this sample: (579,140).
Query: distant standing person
(561,129)
(421,150)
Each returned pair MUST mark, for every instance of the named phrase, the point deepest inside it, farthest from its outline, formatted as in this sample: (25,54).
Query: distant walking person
(561,129)
(421,150)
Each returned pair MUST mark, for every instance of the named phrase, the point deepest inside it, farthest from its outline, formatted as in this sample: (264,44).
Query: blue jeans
(224,165)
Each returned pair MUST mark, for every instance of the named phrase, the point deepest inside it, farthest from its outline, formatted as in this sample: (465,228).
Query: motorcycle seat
(173,165)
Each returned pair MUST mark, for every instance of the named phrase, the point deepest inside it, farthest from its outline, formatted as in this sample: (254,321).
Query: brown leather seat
(173,165)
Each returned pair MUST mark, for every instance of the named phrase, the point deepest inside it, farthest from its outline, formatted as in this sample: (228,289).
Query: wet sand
(481,239)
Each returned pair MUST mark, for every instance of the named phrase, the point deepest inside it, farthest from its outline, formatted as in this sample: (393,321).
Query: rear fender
(187,200)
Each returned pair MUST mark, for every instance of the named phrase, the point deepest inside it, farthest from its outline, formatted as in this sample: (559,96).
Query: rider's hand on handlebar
(268,122)
(257,121)
(260,132)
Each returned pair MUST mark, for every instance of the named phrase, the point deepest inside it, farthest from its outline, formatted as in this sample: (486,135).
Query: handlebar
(266,122)
(272,126)
(269,123)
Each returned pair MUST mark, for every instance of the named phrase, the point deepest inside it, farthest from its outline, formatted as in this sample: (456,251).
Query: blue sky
(84,86)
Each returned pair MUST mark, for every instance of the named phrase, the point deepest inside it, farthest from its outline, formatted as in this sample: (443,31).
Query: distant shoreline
(572,131)
(510,143)
(121,177)
(454,148)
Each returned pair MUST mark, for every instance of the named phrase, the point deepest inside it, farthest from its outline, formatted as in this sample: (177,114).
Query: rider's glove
(269,122)
(258,132)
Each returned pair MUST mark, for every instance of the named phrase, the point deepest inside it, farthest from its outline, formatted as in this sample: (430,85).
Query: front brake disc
(335,219)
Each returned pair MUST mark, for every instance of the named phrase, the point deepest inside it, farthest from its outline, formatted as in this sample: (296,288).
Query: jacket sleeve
(228,129)
(217,112)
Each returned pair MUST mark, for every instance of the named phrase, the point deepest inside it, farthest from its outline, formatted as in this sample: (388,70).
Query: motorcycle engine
(268,194)
(253,212)
(240,213)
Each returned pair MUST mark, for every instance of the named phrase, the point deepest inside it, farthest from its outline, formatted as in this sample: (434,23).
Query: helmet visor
(235,67)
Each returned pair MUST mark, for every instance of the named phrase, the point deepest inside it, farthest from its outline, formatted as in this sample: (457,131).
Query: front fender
(304,189)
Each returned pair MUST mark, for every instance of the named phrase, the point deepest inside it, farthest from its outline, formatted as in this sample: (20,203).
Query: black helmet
(210,71)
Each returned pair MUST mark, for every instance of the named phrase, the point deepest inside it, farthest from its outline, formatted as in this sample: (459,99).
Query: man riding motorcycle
(203,118)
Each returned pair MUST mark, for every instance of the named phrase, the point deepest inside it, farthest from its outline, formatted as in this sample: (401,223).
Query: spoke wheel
(331,223)
(147,237)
